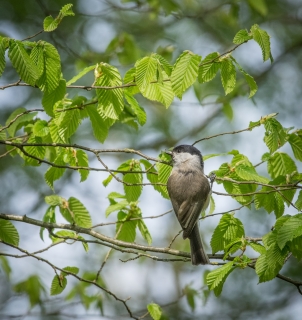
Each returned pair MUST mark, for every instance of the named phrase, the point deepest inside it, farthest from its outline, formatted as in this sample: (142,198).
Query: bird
(190,193)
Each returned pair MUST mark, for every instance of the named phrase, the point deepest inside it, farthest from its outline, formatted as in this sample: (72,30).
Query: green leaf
(54,173)
(8,232)
(190,295)
(49,216)
(74,270)
(50,24)
(184,73)
(155,311)
(259,5)
(270,201)
(100,124)
(125,229)
(40,128)
(228,75)
(228,229)
(248,78)
(145,72)
(275,135)
(82,161)
(116,207)
(242,36)
(110,101)
(5,266)
(50,98)
(71,121)
(144,231)
(137,109)
(217,277)
(54,200)
(228,111)
(164,172)
(209,67)
(263,39)
(20,121)
(21,61)
(295,247)
(280,164)
(166,66)
(32,287)
(257,247)
(80,74)
(129,78)
(81,215)
(2,56)
(58,284)
(295,142)
(35,151)
(107,180)
(133,192)
(50,78)
(66,10)
(64,233)
(298,203)
(291,229)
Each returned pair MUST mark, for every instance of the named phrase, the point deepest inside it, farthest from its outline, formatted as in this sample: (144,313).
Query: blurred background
(120,32)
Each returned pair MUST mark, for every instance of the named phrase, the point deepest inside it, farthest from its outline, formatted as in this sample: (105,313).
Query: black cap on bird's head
(186,148)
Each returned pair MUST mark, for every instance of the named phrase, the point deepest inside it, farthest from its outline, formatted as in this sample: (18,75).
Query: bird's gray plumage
(189,191)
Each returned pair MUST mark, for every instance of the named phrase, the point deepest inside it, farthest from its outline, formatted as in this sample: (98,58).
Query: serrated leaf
(263,39)
(49,216)
(64,233)
(133,192)
(21,61)
(74,270)
(164,172)
(217,277)
(257,247)
(144,231)
(291,229)
(66,10)
(116,207)
(242,36)
(155,311)
(164,63)
(280,164)
(54,173)
(50,98)
(54,200)
(40,128)
(248,78)
(110,101)
(50,24)
(228,75)
(82,161)
(137,109)
(125,229)
(275,135)
(5,266)
(80,213)
(58,284)
(100,124)
(129,78)
(145,72)
(295,142)
(209,67)
(69,124)
(228,229)
(20,121)
(35,151)
(107,180)
(296,247)
(298,203)
(2,57)
(184,73)
(8,232)
(249,173)
(50,78)
(81,74)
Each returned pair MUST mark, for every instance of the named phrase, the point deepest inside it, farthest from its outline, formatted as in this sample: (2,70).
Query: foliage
(117,101)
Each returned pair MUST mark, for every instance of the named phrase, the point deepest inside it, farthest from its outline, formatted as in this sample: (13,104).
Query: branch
(72,274)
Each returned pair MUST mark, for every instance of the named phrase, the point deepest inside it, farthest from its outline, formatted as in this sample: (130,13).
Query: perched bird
(190,192)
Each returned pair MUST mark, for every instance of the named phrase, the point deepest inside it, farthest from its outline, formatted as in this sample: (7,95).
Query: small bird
(190,192)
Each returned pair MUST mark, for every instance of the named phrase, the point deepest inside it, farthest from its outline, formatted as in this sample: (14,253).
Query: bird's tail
(198,255)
